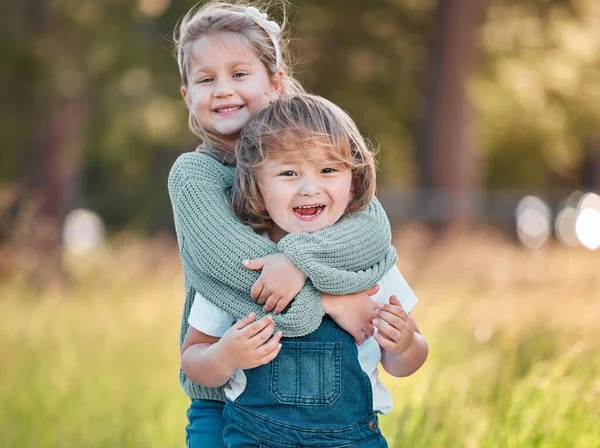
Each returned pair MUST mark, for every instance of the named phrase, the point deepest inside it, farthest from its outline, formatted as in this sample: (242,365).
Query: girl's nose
(222,89)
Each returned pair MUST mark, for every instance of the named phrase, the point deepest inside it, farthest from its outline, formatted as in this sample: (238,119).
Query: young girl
(232,64)
(302,165)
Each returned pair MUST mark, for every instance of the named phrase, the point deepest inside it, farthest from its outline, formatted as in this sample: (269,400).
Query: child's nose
(222,88)
(309,189)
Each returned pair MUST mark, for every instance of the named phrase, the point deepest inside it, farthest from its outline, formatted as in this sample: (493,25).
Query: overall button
(373,425)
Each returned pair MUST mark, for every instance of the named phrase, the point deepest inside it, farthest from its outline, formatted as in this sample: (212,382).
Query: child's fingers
(282,303)
(262,336)
(270,356)
(270,303)
(246,320)
(393,320)
(264,295)
(372,290)
(387,330)
(384,343)
(395,301)
(255,265)
(257,326)
(395,310)
(369,329)
(269,346)
(256,289)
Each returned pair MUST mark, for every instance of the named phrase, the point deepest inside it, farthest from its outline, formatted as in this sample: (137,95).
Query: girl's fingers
(384,343)
(282,303)
(270,345)
(269,356)
(246,320)
(393,320)
(270,303)
(263,296)
(387,330)
(255,265)
(369,330)
(372,290)
(396,311)
(256,289)
(254,328)
(394,301)
(262,336)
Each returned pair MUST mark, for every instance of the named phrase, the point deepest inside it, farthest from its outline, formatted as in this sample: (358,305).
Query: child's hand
(278,283)
(246,344)
(353,312)
(395,328)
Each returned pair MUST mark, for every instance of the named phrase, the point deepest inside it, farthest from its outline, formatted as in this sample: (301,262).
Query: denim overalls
(313,394)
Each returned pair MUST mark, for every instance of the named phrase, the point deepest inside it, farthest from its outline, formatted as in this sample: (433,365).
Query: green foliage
(513,352)
(535,90)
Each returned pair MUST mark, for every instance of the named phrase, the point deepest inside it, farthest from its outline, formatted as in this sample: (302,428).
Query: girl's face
(304,196)
(227,84)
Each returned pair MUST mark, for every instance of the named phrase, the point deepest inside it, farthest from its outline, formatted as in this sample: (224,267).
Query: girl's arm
(213,244)
(211,361)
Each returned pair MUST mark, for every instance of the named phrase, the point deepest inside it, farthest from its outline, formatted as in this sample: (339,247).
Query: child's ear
(184,94)
(277,85)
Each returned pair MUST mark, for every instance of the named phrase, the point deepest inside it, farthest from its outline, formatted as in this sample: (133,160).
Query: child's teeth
(229,109)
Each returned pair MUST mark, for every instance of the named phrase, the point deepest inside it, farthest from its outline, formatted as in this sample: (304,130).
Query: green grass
(514,356)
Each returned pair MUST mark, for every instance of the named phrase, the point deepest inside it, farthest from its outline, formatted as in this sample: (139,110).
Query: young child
(302,166)
(232,61)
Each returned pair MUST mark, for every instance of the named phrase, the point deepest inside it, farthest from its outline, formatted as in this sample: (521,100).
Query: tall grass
(514,356)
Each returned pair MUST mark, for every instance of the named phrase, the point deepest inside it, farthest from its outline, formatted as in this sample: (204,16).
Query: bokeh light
(564,227)
(83,231)
(533,218)
(587,225)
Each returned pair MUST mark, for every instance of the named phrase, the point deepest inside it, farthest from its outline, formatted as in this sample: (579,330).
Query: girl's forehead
(221,47)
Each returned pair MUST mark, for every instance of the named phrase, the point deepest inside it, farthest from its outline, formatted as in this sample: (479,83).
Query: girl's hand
(395,328)
(278,284)
(247,345)
(353,312)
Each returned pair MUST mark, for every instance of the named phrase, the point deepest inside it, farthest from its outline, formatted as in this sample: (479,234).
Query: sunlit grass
(513,335)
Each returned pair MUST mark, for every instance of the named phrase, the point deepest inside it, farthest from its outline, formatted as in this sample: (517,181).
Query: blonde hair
(298,127)
(270,45)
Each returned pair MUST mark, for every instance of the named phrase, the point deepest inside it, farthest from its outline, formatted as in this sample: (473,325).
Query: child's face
(304,196)
(227,84)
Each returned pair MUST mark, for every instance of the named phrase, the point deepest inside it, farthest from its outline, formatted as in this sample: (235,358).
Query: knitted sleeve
(213,243)
(347,257)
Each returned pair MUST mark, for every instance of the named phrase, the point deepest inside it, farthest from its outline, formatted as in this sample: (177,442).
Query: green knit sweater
(348,257)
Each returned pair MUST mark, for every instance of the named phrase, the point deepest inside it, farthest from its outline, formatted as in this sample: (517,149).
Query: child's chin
(228,129)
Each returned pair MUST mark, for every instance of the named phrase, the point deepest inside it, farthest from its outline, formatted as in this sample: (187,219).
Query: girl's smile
(227,84)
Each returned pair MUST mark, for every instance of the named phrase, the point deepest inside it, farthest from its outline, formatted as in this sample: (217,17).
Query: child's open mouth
(224,110)
(308,212)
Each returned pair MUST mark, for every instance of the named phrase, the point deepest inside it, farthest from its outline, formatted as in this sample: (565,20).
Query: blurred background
(486,115)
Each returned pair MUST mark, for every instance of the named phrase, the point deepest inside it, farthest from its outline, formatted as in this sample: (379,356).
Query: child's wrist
(222,359)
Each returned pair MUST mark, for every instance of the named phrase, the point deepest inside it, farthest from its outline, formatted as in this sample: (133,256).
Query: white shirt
(213,321)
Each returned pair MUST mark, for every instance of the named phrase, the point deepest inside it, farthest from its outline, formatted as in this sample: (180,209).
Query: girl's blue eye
(204,80)
(239,74)
(287,173)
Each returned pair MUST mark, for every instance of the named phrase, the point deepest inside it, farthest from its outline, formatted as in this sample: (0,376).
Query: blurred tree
(91,96)
(449,166)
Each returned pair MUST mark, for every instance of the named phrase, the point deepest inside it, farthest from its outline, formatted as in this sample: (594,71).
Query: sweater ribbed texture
(348,257)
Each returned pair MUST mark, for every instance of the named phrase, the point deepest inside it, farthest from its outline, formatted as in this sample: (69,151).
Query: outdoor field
(514,358)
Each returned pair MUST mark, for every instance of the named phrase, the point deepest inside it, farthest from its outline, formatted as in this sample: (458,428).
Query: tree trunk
(449,167)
